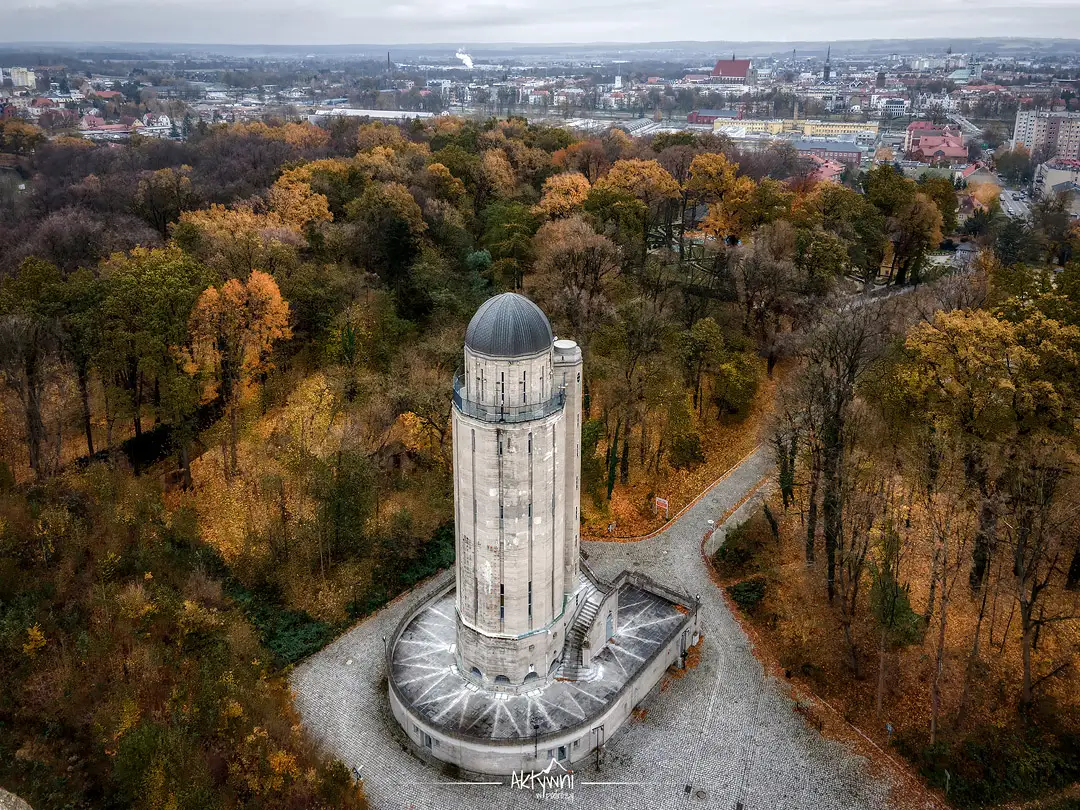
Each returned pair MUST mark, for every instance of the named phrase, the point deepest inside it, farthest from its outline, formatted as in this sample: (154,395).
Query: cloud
(532,21)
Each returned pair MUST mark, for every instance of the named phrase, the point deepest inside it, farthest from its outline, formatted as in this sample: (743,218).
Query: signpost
(661,503)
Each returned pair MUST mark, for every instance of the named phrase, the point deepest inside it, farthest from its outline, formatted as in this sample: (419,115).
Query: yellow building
(806,128)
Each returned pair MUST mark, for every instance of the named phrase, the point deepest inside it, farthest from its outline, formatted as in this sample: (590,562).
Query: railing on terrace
(504,413)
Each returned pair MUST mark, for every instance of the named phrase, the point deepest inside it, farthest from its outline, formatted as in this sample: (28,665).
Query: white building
(22,77)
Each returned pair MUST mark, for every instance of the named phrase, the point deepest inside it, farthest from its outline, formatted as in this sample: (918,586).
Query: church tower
(517,475)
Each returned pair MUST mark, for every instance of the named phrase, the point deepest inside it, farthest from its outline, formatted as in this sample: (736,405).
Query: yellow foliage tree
(234,328)
(35,641)
(497,175)
(296,204)
(563,195)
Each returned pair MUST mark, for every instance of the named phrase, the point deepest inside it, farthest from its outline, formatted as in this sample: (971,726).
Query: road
(724,733)
(1017,209)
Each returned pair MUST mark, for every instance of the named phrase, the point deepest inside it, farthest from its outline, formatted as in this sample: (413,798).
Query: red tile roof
(732,68)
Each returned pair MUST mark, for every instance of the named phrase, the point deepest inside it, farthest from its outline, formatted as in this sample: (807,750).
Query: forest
(224,421)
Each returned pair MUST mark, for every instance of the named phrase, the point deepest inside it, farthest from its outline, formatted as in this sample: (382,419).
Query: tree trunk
(1027,631)
(831,503)
(812,508)
(882,647)
(82,375)
(935,688)
(234,431)
(624,463)
(1072,579)
(35,426)
(612,460)
(984,538)
(935,564)
(185,463)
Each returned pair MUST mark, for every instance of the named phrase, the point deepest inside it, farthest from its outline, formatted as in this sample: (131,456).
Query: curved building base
(619,643)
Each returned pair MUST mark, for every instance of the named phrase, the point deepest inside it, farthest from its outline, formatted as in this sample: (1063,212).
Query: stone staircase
(573,667)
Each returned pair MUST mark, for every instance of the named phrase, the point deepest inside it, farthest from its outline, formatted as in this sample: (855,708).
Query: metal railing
(504,413)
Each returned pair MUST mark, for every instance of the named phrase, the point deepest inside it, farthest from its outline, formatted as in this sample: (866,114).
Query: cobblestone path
(724,734)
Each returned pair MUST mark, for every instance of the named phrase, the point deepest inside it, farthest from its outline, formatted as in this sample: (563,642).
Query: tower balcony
(505,414)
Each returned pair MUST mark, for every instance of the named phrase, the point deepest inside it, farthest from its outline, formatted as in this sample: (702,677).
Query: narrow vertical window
(523,387)
(502,602)
(530,599)
(502,387)
(530,444)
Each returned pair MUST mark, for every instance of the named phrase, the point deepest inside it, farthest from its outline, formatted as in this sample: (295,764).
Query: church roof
(508,325)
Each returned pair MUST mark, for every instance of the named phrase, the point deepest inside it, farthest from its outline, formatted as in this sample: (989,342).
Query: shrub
(748,593)
(686,451)
(992,765)
(738,553)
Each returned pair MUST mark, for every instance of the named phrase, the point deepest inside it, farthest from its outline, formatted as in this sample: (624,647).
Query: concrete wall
(597,636)
(499,381)
(513,485)
(567,369)
(485,757)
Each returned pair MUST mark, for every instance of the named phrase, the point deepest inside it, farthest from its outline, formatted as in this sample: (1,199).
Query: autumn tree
(575,271)
(563,194)
(163,195)
(234,328)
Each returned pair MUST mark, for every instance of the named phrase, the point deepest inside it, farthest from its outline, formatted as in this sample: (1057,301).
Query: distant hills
(1005,46)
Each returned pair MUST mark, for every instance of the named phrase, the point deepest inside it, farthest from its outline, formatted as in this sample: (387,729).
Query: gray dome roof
(508,325)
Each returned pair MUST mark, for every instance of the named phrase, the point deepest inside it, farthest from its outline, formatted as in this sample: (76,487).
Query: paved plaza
(724,734)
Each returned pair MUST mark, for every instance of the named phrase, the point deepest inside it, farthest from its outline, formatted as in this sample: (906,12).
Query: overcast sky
(472,22)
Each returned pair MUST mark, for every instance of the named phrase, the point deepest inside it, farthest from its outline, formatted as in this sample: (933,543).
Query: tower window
(530,510)
(502,602)
(502,387)
(530,599)
(523,388)
(530,444)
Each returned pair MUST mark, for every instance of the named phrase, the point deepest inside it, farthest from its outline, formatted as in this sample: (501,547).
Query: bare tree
(28,349)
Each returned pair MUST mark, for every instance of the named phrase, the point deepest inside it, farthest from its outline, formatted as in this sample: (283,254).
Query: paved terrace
(725,733)
(430,682)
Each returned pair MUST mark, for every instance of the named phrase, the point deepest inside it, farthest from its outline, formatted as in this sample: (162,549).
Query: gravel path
(721,735)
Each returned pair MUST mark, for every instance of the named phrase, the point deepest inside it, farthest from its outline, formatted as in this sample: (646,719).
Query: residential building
(1056,175)
(22,77)
(1058,133)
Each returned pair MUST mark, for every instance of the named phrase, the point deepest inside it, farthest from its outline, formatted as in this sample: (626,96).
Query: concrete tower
(517,474)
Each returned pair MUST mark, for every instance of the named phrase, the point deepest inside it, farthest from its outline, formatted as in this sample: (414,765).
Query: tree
(234,328)
(563,194)
(163,195)
(142,322)
(508,234)
(836,354)
(996,386)
(28,346)
(575,272)
(646,180)
(941,191)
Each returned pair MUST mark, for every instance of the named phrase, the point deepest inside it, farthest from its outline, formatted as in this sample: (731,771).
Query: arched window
(476,673)
(502,679)
(554,666)
(532,676)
